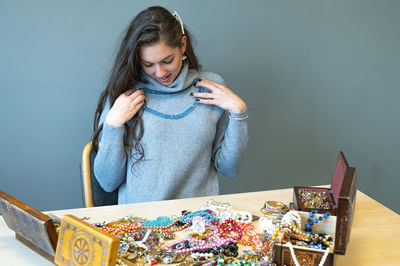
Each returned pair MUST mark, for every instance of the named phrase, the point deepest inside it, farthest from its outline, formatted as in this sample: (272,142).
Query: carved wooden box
(338,226)
(32,227)
(76,243)
(80,243)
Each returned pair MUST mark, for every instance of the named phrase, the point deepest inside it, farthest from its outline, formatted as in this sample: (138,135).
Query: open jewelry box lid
(32,227)
(345,210)
(343,189)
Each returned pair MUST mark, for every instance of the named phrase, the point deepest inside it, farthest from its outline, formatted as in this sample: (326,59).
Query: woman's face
(162,62)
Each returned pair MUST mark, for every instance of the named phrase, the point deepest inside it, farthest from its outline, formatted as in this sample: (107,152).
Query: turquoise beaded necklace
(168,116)
(160,221)
(203,213)
(165,220)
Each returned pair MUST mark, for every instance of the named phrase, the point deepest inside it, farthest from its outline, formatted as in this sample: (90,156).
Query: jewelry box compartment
(321,199)
(325,199)
(306,255)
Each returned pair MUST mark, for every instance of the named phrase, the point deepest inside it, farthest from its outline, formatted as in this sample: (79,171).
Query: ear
(183,44)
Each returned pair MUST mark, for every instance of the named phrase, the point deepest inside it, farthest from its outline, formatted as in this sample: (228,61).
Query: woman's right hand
(125,107)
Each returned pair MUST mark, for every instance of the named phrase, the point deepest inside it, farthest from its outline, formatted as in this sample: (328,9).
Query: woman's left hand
(220,96)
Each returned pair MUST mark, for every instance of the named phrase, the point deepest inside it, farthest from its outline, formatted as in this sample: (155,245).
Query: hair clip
(178,18)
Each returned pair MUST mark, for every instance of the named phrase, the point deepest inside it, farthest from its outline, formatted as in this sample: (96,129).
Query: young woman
(163,127)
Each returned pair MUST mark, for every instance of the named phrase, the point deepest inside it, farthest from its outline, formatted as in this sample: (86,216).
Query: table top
(374,240)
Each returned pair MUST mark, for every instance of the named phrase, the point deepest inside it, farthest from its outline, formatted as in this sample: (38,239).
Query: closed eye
(147,65)
(169,61)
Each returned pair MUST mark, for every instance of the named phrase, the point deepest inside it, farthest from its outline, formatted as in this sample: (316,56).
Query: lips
(165,79)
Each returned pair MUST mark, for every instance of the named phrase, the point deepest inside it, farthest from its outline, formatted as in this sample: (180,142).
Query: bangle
(238,118)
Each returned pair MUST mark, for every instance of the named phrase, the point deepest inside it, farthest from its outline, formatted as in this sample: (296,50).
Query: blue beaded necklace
(175,116)
(203,213)
(311,221)
(165,220)
(160,221)
(308,229)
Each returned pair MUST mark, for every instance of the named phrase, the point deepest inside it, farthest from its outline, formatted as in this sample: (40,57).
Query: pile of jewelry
(206,237)
(314,199)
(210,236)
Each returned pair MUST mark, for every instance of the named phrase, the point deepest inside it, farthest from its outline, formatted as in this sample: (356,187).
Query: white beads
(267,225)
(198,255)
(224,211)
(291,216)
(198,226)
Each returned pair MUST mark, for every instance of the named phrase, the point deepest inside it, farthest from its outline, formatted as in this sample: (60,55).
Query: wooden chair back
(93,194)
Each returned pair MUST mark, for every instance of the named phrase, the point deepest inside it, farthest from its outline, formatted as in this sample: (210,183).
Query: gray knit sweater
(182,156)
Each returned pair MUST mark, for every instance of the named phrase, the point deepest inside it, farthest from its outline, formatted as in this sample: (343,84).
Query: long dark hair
(147,28)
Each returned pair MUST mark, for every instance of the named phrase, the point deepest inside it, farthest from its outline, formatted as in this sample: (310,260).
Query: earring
(184,57)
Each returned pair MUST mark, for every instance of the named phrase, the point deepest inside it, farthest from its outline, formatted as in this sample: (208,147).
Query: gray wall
(319,77)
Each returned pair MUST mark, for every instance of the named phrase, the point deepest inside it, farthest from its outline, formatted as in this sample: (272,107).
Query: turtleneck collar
(178,85)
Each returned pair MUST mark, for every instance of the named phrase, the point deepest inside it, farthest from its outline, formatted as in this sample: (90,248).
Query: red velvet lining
(338,176)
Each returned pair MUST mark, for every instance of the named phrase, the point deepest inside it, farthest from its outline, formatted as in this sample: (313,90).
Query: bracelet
(276,206)
(238,118)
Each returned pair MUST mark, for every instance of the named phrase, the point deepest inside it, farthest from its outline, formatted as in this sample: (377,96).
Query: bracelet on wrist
(238,118)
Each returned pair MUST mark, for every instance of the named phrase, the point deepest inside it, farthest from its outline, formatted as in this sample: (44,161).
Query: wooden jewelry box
(80,243)
(33,228)
(76,243)
(338,225)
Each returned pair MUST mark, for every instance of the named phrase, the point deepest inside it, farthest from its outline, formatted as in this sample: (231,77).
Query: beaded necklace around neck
(169,116)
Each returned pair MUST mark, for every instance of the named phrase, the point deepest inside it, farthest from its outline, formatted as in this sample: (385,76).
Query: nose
(160,71)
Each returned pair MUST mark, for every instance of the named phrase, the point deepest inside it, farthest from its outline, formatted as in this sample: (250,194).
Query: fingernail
(191,94)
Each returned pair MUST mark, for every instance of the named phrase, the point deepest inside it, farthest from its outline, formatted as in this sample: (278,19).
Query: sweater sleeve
(110,161)
(230,142)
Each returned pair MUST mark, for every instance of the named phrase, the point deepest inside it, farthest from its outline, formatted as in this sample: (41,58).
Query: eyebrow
(165,58)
